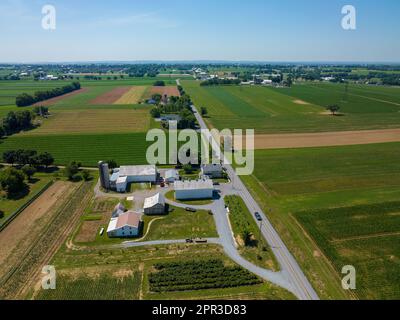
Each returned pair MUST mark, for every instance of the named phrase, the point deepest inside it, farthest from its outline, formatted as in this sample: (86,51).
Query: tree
(12,180)
(29,171)
(112,164)
(188,168)
(45,159)
(333,109)
(159,83)
(246,237)
(204,111)
(71,170)
(155,113)
(10,157)
(86,175)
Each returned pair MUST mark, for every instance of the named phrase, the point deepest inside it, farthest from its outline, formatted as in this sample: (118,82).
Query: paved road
(291,276)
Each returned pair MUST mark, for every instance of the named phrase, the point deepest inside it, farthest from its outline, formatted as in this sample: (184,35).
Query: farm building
(104,175)
(118,210)
(125,226)
(132,174)
(191,190)
(154,205)
(171,176)
(212,170)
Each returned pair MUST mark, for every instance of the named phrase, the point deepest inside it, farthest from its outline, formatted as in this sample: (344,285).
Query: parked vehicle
(190,209)
(200,240)
(189,240)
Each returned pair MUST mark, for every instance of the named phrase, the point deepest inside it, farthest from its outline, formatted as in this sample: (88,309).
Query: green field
(366,237)
(104,287)
(305,190)
(301,108)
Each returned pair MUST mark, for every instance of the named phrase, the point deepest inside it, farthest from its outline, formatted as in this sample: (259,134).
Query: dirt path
(26,271)
(26,227)
(322,139)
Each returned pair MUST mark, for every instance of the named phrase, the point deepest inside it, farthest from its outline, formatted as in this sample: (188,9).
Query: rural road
(291,277)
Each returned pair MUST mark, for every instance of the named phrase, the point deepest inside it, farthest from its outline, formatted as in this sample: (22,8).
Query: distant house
(171,176)
(118,210)
(191,190)
(125,226)
(154,205)
(212,170)
(267,82)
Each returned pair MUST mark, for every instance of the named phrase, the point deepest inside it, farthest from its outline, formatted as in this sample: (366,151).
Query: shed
(154,205)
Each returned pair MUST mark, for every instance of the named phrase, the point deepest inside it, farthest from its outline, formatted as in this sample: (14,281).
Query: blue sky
(259,30)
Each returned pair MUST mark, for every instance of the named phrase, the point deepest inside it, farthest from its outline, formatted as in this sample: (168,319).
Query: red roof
(129,218)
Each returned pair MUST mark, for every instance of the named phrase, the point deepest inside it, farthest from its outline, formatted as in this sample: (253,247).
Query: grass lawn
(256,250)
(10,205)
(297,109)
(180,224)
(287,182)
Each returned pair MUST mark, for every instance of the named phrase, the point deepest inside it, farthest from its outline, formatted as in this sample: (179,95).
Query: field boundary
(13,215)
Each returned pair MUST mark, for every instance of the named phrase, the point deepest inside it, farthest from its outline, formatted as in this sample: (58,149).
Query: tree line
(15,122)
(24,99)
(219,82)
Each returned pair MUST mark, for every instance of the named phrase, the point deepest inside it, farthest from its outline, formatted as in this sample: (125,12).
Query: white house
(125,226)
(154,205)
(191,190)
(212,170)
(171,176)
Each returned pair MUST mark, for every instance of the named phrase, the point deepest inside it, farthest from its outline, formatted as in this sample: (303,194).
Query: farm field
(78,130)
(112,267)
(296,185)
(366,237)
(297,109)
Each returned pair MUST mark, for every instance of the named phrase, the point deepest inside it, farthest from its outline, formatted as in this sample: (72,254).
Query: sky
(172,30)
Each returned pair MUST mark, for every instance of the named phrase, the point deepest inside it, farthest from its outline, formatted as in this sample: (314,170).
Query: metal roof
(152,201)
(147,170)
(193,185)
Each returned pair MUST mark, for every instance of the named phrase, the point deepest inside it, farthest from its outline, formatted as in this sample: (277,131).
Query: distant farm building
(125,226)
(171,176)
(212,170)
(154,205)
(192,190)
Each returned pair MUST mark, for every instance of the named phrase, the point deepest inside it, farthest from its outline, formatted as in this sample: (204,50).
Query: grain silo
(104,175)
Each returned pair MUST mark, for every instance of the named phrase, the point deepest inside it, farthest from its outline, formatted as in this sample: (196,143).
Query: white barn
(133,174)
(154,205)
(126,225)
(191,190)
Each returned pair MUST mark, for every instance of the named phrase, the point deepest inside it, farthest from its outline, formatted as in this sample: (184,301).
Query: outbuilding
(154,205)
(192,190)
(212,170)
(171,176)
(127,225)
